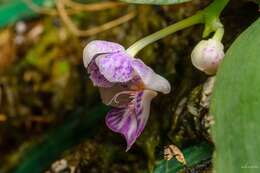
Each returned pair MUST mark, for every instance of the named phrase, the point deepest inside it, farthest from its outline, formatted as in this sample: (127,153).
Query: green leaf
(236,106)
(193,156)
(15,10)
(156,2)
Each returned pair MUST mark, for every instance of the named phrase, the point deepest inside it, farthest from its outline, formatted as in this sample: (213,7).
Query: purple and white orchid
(126,84)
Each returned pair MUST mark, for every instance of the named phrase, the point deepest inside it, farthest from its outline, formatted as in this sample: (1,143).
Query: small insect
(171,151)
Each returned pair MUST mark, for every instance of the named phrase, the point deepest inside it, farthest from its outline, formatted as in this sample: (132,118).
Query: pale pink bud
(207,55)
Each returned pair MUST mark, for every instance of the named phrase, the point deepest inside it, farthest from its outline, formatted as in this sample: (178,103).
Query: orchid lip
(131,120)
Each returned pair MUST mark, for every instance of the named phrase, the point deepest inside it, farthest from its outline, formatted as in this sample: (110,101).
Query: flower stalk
(139,45)
(219,34)
(209,16)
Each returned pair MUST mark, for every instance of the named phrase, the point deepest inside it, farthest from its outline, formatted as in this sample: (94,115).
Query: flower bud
(207,55)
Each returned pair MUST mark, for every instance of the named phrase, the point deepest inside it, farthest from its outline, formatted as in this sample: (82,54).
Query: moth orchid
(207,55)
(126,84)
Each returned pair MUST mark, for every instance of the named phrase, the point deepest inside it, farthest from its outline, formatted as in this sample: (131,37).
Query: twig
(72,27)
(92,6)
(75,7)
(41,10)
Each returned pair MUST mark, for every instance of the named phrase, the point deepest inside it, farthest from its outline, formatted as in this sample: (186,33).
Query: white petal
(150,79)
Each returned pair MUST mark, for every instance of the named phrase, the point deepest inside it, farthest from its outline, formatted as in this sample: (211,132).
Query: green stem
(219,34)
(215,8)
(137,46)
(209,16)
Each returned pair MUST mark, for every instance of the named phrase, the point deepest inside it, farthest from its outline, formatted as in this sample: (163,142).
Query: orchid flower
(126,84)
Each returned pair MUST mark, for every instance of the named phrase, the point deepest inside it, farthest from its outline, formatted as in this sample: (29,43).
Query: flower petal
(96,77)
(131,121)
(98,47)
(150,79)
(115,67)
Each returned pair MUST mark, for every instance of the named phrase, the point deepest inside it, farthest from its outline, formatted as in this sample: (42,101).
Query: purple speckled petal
(115,67)
(150,79)
(98,47)
(130,121)
(97,78)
